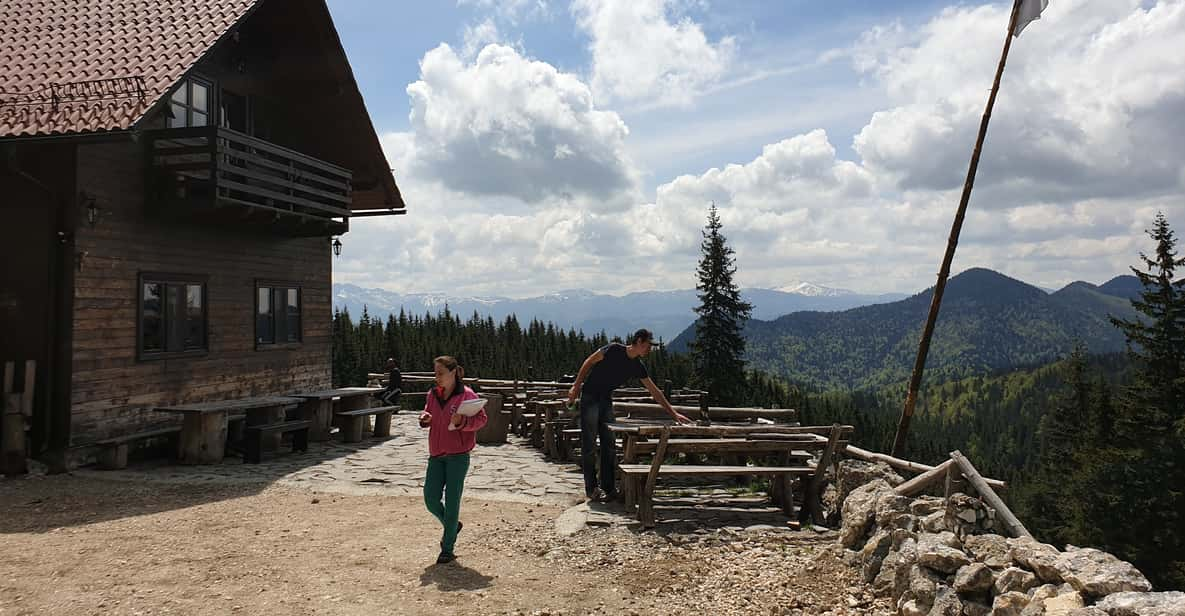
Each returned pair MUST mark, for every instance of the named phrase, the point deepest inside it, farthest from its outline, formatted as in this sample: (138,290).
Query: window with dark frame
(190,104)
(277,314)
(172,315)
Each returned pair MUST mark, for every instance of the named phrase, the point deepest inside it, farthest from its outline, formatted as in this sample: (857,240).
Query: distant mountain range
(988,322)
(666,313)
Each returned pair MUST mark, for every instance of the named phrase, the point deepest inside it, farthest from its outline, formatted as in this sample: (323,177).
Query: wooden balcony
(221,175)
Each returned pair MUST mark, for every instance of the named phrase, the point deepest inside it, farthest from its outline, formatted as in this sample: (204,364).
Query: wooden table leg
(318,412)
(354,403)
(263,416)
(203,438)
(646,501)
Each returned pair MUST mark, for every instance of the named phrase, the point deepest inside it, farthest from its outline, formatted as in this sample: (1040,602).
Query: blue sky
(787,35)
(580,142)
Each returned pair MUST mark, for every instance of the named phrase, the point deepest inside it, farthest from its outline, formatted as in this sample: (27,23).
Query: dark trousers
(596,411)
(389,396)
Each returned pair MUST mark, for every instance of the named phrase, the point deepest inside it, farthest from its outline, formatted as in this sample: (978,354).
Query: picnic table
(204,424)
(319,407)
(791,445)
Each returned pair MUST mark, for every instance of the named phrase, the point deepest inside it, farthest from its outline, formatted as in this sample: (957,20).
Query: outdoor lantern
(92,210)
(337,247)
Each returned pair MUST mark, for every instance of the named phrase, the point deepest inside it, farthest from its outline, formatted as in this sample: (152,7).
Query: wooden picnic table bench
(253,452)
(319,407)
(638,480)
(353,422)
(204,424)
(113,452)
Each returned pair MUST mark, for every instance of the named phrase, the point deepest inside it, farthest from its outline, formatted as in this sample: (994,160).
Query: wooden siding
(112,391)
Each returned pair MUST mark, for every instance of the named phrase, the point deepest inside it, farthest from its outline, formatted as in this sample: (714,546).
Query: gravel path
(342,530)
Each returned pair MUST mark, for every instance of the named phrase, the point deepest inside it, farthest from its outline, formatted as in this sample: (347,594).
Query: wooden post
(951,482)
(919,366)
(814,493)
(646,502)
(985,491)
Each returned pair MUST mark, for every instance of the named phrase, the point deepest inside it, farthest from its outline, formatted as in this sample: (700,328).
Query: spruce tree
(1049,501)
(719,347)
(1147,480)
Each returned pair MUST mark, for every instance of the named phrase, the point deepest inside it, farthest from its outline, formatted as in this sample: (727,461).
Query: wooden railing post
(985,491)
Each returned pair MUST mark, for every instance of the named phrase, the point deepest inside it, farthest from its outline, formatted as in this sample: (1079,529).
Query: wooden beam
(646,506)
(814,492)
(918,484)
(905,465)
(985,491)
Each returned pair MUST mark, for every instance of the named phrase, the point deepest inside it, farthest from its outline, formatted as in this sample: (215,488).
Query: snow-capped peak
(811,289)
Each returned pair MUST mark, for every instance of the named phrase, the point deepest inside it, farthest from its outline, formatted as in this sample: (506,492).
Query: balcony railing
(207,171)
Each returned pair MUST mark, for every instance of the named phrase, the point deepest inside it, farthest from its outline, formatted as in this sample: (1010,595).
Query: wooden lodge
(174,177)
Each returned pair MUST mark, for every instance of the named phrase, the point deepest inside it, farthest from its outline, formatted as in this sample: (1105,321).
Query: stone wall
(944,557)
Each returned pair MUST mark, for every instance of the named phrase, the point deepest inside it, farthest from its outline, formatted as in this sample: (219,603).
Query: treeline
(504,350)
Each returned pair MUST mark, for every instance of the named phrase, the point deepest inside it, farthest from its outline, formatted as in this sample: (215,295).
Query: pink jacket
(442,441)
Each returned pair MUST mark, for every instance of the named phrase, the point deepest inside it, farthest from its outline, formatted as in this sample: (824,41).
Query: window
(172,310)
(277,314)
(190,104)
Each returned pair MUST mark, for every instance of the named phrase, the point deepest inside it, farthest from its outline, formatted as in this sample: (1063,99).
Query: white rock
(1040,558)
(1014,579)
(858,510)
(1096,574)
(935,552)
(973,578)
(1009,604)
(1144,604)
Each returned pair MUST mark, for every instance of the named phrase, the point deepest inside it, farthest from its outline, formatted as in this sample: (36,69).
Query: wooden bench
(255,434)
(113,452)
(721,446)
(638,480)
(639,487)
(353,422)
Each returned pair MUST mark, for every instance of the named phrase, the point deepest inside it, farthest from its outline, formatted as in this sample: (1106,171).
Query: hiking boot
(445,558)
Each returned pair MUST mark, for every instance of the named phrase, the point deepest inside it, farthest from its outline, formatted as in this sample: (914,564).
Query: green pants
(446,476)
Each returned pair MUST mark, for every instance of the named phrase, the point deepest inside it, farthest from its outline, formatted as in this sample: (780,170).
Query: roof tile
(44,42)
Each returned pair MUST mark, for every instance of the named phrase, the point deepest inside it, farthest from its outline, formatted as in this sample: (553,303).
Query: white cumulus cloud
(644,51)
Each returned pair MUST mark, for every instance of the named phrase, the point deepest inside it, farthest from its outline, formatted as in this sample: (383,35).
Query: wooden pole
(918,484)
(985,491)
(915,380)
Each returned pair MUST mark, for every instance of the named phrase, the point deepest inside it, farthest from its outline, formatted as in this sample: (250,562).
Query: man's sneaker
(609,497)
(445,558)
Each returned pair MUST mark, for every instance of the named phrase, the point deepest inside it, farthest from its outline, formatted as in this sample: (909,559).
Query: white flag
(1030,11)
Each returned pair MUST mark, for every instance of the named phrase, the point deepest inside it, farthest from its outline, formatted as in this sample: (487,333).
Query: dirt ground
(70,545)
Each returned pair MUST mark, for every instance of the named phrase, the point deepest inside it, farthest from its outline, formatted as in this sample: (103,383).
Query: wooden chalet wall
(113,391)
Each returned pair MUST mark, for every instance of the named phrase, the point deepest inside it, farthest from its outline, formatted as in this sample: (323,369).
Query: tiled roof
(44,42)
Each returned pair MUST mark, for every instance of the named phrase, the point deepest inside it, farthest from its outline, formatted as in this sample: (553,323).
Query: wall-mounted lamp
(337,247)
(92,210)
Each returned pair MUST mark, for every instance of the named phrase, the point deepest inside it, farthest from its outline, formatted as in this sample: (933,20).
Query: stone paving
(512,472)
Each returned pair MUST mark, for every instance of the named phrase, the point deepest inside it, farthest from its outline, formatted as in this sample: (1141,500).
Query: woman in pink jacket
(448,450)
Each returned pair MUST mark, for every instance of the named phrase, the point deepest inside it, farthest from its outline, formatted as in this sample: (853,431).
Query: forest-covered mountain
(989,322)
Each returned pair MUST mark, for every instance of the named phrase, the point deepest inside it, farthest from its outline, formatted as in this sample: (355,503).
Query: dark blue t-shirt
(613,371)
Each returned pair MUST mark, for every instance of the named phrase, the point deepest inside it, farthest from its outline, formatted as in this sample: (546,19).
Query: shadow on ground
(454,576)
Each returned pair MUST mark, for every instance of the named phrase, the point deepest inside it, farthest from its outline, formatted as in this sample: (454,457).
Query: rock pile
(942,557)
